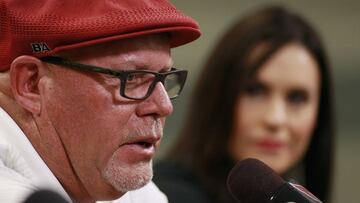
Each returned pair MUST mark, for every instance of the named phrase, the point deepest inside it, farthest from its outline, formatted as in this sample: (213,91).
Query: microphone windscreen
(252,181)
(45,196)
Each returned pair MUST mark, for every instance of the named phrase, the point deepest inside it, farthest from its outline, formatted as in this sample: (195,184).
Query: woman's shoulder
(180,184)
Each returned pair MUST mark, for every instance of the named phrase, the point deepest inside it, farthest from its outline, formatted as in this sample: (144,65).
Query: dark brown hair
(203,143)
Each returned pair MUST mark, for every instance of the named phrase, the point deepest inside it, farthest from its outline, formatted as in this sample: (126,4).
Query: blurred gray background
(337,22)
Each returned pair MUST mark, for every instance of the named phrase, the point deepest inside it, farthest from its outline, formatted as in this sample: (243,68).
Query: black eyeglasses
(134,84)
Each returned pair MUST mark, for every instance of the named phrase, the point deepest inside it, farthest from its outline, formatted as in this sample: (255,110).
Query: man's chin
(128,178)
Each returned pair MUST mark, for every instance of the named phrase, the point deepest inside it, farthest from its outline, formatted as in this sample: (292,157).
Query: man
(85,87)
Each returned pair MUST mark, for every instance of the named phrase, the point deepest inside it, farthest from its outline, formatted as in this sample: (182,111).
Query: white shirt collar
(42,177)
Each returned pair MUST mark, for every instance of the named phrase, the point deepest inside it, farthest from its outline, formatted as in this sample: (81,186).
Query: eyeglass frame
(121,74)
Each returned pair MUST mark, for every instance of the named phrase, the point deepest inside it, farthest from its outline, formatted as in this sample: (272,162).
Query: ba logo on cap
(40,47)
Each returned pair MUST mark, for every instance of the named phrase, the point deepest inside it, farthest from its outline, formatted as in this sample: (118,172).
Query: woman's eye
(297,97)
(256,89)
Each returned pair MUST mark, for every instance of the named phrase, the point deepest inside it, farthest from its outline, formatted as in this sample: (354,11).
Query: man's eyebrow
(146,67)
(166,69)
(171,65)
(136,65)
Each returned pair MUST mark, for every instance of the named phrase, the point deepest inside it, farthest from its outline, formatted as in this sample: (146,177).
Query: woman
(265,92)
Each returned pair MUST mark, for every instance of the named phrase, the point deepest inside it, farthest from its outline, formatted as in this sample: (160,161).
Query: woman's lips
(270,145)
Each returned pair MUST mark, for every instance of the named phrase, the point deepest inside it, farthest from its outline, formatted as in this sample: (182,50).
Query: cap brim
(178,36)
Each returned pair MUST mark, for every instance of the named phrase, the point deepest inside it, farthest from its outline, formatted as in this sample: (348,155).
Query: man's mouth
(144,144)
(140,148)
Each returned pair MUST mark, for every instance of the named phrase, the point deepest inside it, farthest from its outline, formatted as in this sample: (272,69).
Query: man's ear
(25,74)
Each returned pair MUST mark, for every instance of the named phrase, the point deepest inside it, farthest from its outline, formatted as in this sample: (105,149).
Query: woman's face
(276,113)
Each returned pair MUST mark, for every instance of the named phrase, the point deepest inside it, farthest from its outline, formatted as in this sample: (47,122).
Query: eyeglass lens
(138,85)
(173,84)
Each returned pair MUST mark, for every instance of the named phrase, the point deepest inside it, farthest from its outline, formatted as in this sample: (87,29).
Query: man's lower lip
(137,149)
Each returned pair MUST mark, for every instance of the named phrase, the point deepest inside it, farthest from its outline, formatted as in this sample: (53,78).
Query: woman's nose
(276,113)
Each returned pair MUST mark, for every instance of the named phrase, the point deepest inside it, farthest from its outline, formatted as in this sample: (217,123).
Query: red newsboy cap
(45,27)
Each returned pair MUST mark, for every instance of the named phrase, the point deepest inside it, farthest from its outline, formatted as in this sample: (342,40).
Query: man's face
(109,140)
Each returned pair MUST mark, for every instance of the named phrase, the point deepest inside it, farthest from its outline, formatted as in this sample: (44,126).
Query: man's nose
(157,104)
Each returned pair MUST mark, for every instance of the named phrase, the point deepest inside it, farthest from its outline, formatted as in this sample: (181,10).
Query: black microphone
(45,196)
(252,181)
